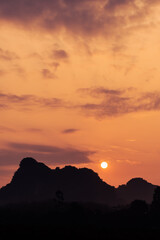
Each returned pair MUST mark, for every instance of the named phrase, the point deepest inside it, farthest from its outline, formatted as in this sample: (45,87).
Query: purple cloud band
(111,103)
(85,16)
(48,154)
(119,102)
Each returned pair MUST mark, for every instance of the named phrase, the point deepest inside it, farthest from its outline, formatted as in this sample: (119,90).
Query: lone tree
(156,200)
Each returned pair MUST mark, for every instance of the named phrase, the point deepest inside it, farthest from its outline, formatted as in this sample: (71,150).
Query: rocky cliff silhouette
(34,181)
(135,189)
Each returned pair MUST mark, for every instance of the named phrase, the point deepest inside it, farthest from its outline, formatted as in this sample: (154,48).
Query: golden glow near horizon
(76,90)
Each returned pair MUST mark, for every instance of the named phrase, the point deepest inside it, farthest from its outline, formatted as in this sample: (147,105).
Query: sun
(104,165)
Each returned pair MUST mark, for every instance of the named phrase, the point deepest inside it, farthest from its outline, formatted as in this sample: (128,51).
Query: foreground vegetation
(56,219)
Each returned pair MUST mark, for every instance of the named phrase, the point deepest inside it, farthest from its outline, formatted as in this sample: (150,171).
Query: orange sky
(79,84)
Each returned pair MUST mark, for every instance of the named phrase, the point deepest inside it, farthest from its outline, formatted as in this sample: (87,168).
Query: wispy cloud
(4,129)
(70,130)
(33,130)
(103,102)
(47,74)
(60,54)
(7,55)
(114,103)
(46,153)
(27,100)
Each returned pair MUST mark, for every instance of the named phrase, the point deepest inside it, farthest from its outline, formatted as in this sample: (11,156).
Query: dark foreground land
(58,220)
(71,203)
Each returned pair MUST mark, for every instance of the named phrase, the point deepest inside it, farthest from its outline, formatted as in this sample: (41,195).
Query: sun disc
(104,165)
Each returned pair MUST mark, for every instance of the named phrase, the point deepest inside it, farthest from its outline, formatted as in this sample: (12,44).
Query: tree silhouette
(156,195)
(155,206)
(59,195)
(139,207)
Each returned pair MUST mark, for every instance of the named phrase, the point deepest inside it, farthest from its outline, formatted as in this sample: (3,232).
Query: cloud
(127,161)
(70,130)
(113,4)
(79,17)
(47,154)
(7,55)
(114,103)
(103,102)
(99,91)
(3,106)
(34,130)
(60,54)
(15,98)
(46,73)
(9,101)
(4,129)
(55,65)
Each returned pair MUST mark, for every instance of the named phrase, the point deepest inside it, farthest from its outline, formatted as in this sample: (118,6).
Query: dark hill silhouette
(34,181)
(136,189)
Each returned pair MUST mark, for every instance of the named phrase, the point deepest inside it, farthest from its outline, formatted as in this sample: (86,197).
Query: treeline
(59,219)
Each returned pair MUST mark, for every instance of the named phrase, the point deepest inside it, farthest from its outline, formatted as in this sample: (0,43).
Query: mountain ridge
(34,181)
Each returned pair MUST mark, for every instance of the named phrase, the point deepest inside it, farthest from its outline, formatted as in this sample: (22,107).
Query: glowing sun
(104,165)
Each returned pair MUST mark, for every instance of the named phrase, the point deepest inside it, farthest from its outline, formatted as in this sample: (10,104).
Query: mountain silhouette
(136,189)
(34,181)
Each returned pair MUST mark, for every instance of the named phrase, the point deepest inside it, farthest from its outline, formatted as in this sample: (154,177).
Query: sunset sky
(80,84)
